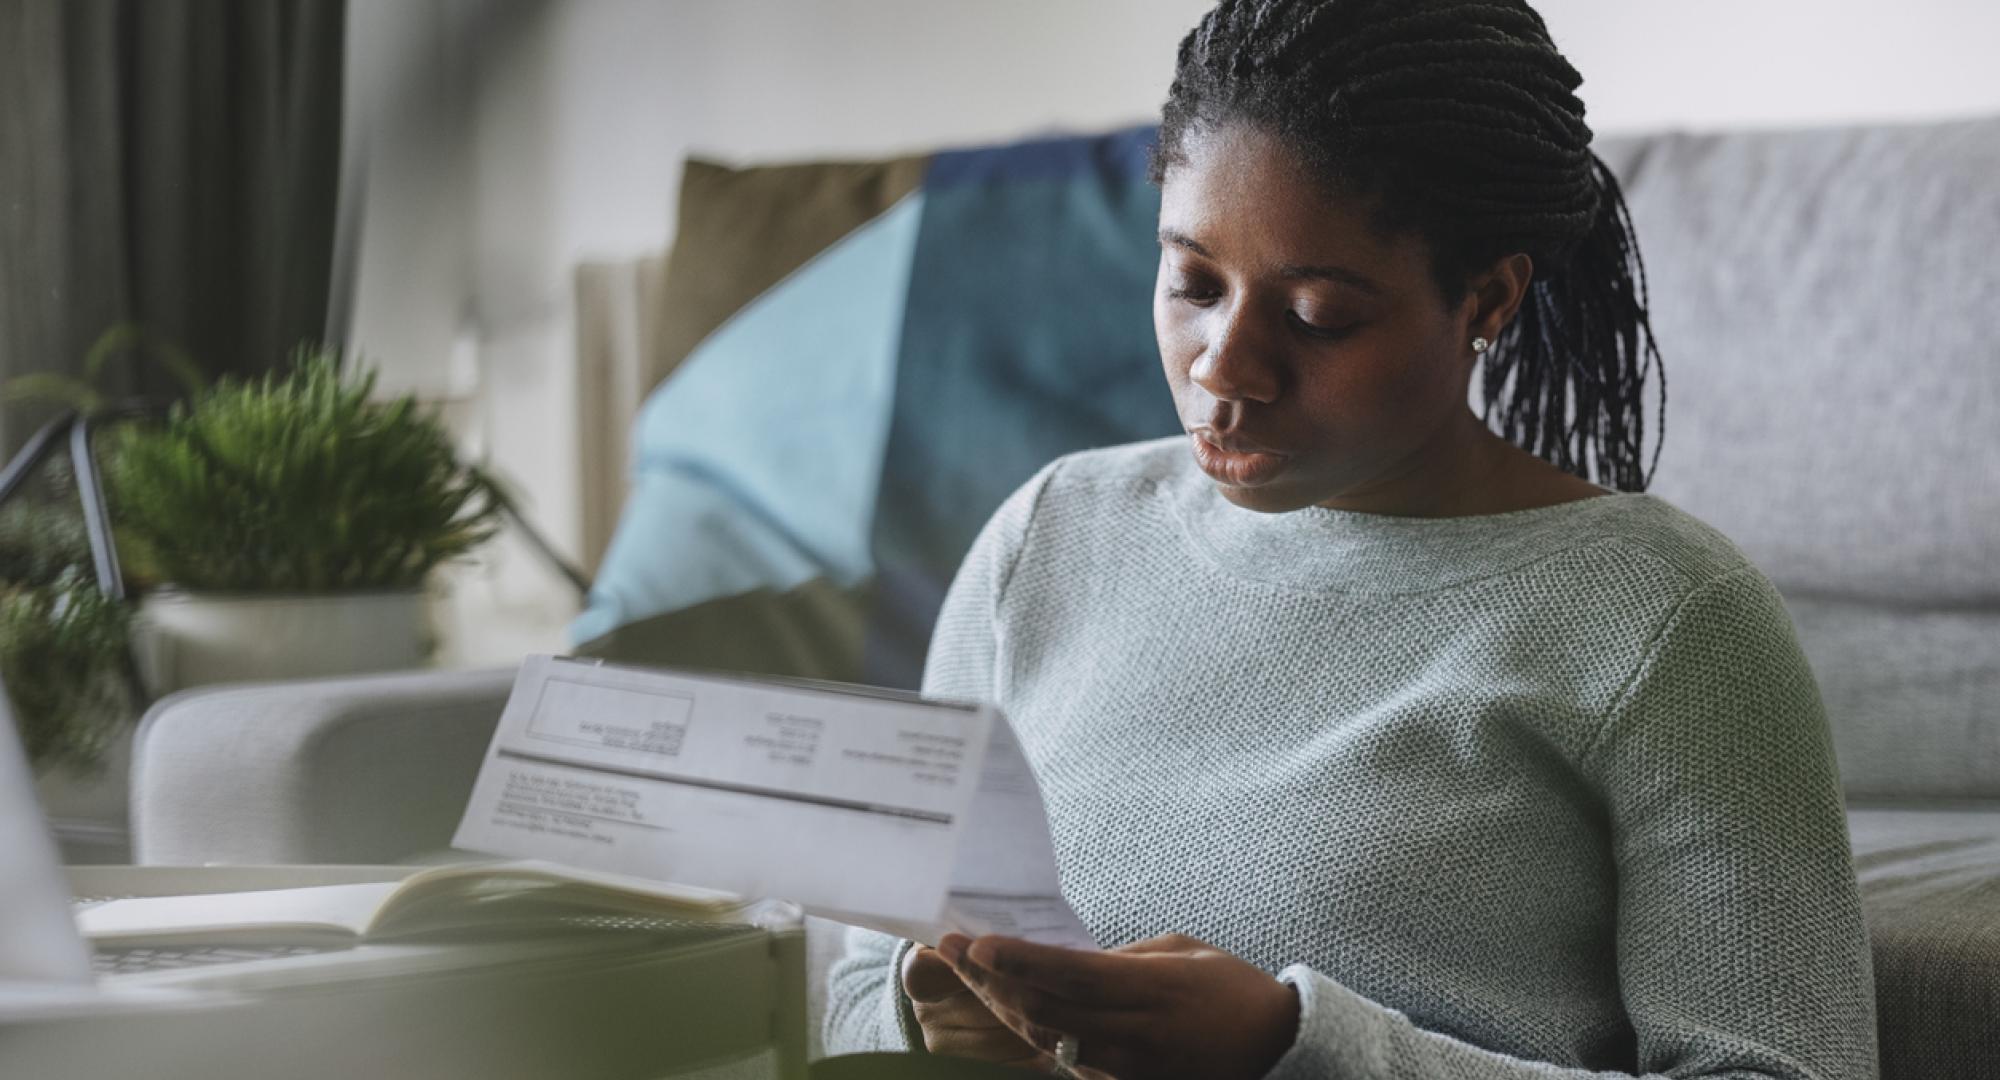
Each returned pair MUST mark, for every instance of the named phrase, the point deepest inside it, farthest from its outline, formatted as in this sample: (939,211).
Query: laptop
(38,938)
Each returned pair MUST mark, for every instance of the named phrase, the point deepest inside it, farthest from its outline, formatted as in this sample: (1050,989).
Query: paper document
(873,807)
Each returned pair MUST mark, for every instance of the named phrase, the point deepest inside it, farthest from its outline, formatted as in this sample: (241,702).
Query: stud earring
(1480,344)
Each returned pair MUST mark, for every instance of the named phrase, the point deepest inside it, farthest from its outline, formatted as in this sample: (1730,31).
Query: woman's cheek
(1180,346)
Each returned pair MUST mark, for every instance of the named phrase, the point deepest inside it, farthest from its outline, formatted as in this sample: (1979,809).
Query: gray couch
(1825,303)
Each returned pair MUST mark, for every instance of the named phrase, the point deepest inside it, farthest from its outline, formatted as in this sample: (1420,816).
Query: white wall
(641,83)
(514,138)
(1705,64)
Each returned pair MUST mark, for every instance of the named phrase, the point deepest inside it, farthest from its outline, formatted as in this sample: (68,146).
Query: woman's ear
(1496,294)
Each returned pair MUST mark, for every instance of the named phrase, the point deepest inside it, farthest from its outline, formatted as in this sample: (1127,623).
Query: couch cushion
(1065,230)
(1930,888)
(741,231)
(1820,299)
(1912,695)
(755,466)
(808,479)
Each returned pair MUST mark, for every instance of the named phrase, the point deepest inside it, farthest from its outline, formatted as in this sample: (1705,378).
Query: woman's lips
(1237,468)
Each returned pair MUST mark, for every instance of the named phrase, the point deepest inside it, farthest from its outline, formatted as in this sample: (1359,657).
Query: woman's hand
(1169,1006)
(954,1020)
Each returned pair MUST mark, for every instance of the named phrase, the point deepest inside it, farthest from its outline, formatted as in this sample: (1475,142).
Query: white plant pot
(192,639)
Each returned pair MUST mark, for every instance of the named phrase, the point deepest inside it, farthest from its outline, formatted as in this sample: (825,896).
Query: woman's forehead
(1241,196)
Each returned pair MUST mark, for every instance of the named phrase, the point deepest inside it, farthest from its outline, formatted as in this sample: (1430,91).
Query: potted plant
(62,657)
(62,644)
(289,525)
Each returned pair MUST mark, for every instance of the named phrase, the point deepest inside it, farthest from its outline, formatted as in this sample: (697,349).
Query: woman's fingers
(1102,979)
(927,977)
(994,1043)
(961,1025)
(1040,1016)
(1172,1006)
(955,1021)
(1166,943)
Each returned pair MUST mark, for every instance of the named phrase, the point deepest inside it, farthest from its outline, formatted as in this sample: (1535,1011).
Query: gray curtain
(168,163)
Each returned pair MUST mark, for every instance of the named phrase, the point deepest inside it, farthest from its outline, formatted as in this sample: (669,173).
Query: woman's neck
(1466,471)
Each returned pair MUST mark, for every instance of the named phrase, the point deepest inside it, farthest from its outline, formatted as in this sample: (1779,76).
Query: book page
(848,801)
(512,897)
(320,913)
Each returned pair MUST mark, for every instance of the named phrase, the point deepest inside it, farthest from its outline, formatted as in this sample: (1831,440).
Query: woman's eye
(1201,297)
(1316,330)
(1191,295)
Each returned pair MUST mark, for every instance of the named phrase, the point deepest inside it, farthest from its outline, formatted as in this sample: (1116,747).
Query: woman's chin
(1264,498)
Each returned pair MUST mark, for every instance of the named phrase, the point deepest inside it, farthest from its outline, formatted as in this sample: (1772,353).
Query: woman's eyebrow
(1339,275)
(1180,239)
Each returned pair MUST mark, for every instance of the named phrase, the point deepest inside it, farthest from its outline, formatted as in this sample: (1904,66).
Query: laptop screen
(38,938)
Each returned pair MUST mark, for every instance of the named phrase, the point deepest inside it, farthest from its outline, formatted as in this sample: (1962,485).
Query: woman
(1377,744)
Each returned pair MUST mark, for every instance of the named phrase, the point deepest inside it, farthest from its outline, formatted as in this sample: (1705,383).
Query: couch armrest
(370,769)
(1929,872)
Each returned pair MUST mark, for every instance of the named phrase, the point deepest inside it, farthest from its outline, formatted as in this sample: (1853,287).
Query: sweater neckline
(1318,549)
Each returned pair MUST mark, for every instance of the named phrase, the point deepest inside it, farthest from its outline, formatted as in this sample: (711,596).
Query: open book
(482,897)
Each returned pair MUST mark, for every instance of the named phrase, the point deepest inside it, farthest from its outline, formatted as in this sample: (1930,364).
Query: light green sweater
(1519,795)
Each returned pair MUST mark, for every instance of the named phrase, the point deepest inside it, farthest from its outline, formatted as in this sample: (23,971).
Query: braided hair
(1457,120)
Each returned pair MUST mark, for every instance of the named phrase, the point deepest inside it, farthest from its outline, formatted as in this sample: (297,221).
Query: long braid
(1461,118)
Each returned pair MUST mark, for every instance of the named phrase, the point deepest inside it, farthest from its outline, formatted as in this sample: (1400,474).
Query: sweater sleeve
(866,1008)
(1741,948)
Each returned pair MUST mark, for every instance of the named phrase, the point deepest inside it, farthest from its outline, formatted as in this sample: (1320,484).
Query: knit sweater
(1531,794)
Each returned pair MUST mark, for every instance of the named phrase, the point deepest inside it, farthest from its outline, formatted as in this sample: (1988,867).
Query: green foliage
(62,647)
(38,544)
(296,483)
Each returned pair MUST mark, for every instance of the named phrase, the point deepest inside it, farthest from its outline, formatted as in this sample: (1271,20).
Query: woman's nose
(1237,363)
